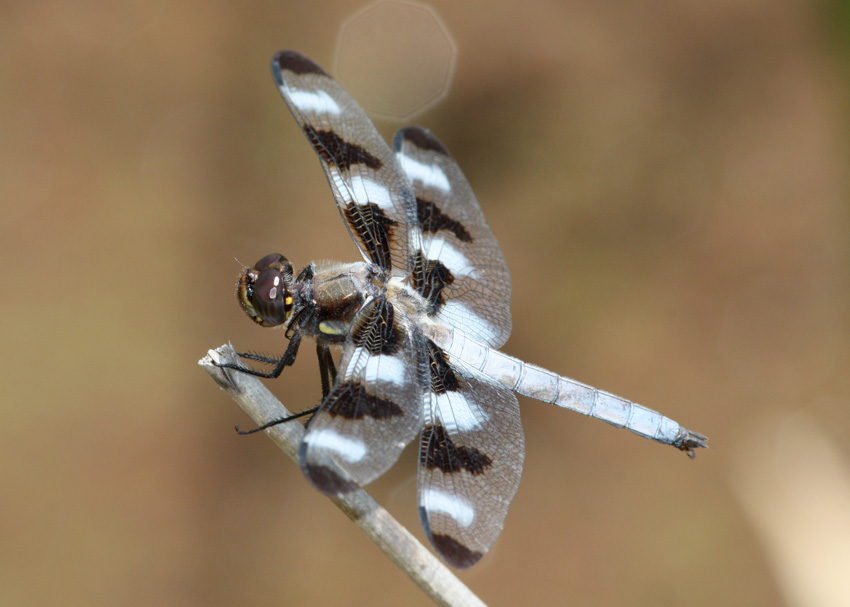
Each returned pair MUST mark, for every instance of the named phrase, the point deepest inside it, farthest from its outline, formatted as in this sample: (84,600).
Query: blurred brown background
(669,184)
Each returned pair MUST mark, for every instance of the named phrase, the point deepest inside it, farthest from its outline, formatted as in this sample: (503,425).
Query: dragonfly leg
(280,363)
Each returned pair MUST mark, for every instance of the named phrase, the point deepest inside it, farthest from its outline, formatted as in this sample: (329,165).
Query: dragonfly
(416,326)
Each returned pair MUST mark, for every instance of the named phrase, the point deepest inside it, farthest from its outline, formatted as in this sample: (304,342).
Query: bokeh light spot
(395,58)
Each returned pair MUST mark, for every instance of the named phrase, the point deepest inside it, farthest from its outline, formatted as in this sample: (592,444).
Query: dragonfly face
(264,290)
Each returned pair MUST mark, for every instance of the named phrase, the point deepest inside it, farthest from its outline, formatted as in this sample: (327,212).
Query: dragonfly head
(264,290)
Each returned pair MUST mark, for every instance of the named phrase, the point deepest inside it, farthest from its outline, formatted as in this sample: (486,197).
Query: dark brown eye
(277,262)
(270,297)
(263,291)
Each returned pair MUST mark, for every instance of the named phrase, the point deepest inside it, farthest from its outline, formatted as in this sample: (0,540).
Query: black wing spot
(328,481)
(351,401)
(439,451)
(443,379)
(376,330)
(374,229)
(424,140)
(335,150)
(432,220)
(456,554)
(297,63)
(429,278)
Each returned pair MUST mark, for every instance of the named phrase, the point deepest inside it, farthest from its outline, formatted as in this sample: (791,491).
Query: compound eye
(271,298)
(274,261)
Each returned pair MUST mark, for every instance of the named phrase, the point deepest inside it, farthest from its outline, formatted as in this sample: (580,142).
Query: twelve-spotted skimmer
(418,322)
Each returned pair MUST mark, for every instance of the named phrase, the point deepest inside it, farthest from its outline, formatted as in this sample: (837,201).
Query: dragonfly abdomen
(536,382)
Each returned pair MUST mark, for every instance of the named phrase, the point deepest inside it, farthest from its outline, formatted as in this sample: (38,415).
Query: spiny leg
(280,363)
(275,422)
(284,361)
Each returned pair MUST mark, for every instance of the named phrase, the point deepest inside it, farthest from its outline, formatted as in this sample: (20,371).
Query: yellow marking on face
(288,301)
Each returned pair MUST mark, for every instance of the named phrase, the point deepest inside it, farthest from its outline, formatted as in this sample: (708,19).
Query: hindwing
(471,453)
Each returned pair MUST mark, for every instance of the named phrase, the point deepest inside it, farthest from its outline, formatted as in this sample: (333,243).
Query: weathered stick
(431,575)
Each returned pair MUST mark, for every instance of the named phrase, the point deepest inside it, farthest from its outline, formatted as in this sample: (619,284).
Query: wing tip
(327,480)
(294,62)
(422,138)
(450,550)
(453,552)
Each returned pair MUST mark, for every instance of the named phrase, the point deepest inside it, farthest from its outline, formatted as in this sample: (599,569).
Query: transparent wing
(374,408)
(372,193)
(471,453)
(460,268)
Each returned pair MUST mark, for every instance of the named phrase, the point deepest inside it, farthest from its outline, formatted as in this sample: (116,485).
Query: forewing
(372,193)
(471,453)
(460,268)
(375,407)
